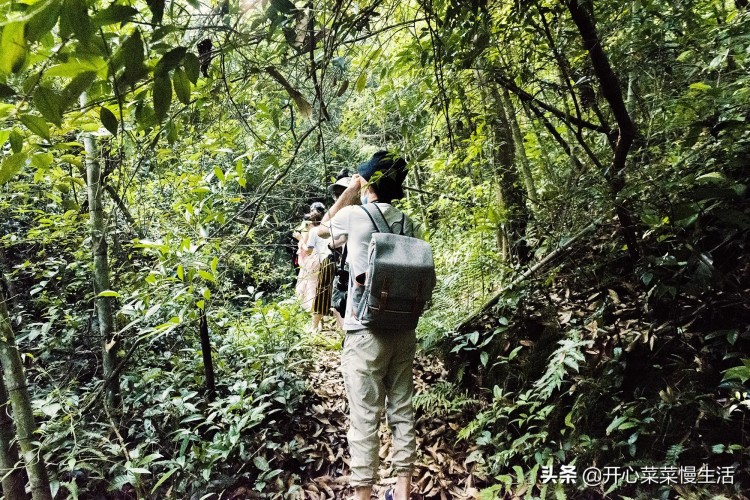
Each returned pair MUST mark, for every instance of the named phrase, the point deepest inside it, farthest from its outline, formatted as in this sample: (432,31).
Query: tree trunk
(15,383)
(610,88)
(512,241)
(208,364)
(103,305)
(13,480)
(522,161)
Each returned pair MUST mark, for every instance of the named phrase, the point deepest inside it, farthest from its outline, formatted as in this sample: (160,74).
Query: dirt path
(441,469)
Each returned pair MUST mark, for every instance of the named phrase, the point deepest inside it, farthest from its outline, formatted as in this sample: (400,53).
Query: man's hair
(386,190)
(315,217)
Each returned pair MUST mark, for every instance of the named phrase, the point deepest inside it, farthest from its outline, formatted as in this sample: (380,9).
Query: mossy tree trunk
(522,161)
(103,305)
(18,394)
(13,480)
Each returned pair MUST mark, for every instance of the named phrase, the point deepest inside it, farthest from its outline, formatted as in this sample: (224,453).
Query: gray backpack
(399,280)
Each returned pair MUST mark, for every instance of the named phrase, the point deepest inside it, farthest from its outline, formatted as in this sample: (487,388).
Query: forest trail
(441,468)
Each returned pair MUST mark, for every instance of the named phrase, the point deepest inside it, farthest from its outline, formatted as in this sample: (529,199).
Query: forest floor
(443,469)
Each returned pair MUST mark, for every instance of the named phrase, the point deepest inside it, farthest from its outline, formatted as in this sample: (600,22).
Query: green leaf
(6,91)
(170,60)
(484,357)
(712,177)
(16,141)
(44,20)
(162,96)
(181,85)
(157,10)
(108,293)
(615,424)
(10,166)
(261,463)
(700,86)
(138,470)
(108,120)
(12,48)
(36,125)
(172,132)
(77,86)
(206,276)
(75,66)
(741,373)
(4,135)
(192,67)
(163,479)
(50,104)
(474,337)
(132,52)
(41,161)
(74,18)
(219,174)
(115,13)
(361,82)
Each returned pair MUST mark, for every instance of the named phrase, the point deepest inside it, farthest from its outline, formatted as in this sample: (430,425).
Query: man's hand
(354,185)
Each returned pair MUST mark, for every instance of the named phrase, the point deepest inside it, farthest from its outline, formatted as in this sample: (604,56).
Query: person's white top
(319,244)
(355,224)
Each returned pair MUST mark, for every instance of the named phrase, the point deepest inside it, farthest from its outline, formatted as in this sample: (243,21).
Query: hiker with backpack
(391,276)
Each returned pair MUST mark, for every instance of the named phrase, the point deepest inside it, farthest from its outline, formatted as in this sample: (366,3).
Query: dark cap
(391,172)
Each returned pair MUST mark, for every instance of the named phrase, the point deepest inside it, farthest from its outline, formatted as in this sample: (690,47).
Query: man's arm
(350,196)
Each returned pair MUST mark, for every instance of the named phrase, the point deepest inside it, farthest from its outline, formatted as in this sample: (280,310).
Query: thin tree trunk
(610,88)
(509,194)
(12,478)
(103,305)
(208,364)
(630,100)
(522,161)
(15,383)
(123,209)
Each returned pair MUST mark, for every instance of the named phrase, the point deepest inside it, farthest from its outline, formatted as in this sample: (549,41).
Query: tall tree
(583,17)
(13,480)
(522,161)
(12,477)
(103,304)
(15,383)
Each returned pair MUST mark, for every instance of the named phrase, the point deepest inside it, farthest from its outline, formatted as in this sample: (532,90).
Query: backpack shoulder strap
(381,225)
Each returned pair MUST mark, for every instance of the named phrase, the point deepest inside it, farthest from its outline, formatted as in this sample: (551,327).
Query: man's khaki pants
(378,367)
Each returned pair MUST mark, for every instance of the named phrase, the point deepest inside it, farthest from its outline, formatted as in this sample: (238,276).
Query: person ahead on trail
(318,248)
(308,265)
(376,366)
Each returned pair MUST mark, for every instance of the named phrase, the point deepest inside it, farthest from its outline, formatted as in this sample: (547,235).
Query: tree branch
(525,96)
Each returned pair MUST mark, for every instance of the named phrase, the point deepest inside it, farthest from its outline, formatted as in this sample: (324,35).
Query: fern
(442,399)
(568,357)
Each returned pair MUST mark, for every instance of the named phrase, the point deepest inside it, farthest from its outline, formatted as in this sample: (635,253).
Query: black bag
(340,286)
